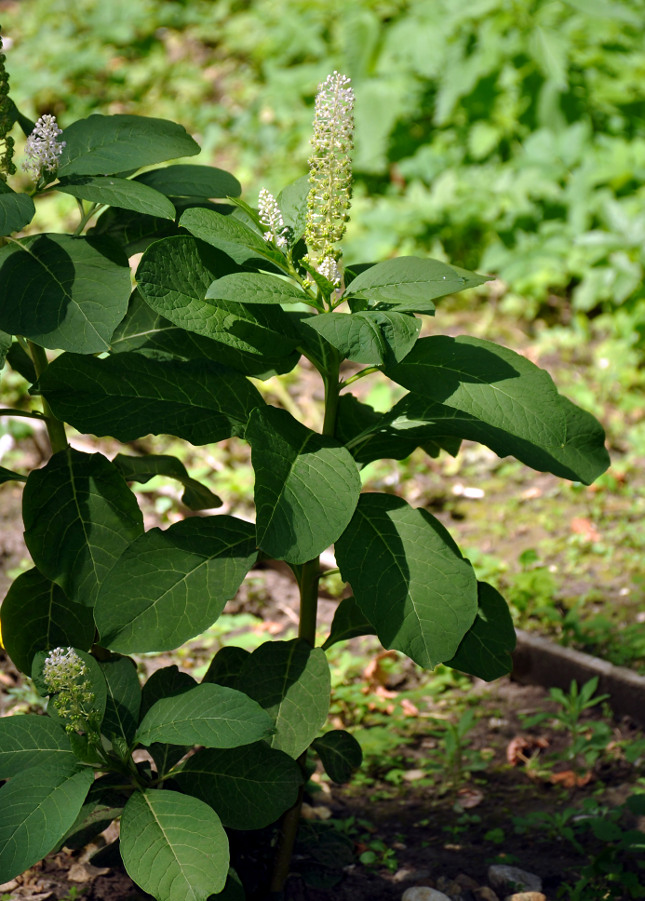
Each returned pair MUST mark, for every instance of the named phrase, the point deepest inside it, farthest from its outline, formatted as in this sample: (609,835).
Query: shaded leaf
(36,616)
(141,469)
(186,180)
(167,682)
(349,622)
(371,337)
(485,650)
(226,666)
(168,586)
(64,292)
(340,754)
(409,578)
(306,486)
(29,741)
(249,787)
(16,211)
(123,697)
(79,517)
(290,679)
(128,396)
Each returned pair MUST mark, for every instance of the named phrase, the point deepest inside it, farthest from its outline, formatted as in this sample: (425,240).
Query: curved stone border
(539,661)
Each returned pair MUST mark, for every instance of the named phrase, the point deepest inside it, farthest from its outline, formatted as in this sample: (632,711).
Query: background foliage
(504,136)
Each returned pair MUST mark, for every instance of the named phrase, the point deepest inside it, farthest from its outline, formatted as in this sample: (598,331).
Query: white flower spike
(43,149)
(271,219)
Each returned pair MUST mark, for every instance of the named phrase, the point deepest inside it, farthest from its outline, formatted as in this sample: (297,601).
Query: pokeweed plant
(225,294)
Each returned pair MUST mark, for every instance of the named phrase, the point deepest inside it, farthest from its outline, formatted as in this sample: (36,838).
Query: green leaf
(290,679)
(372,337)
(16,211)
(249,787)
(306,486)
(485,650)
(150,334)
(118,192)
(227,233)
(191,181)
(292,201)
(132,231)
(369,435)
(128,396)
(255,287)
(475,389)
(37,807)
(79,517)
(167,682)
(349,622)
(33,741)
(141,469)
(226,666)
(409,284)
(123,697)
(108,145)
(173,846)
(174,276)
(169,586)
(340,754)
(209,715)
(36,616)
(7,475)
(64,292)
(102,805)
(408,577)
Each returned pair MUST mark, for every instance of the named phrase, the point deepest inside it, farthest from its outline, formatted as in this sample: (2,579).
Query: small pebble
(464,881)
(423,893)
(485,894)
(406,873)
(502,876)
(526,896)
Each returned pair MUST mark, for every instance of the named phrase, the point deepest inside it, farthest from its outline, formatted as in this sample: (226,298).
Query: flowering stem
(55,428)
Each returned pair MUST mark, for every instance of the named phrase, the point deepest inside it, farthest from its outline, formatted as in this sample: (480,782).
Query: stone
(464,881)
(485,894)
(423,893)
(513,879)
(526,896)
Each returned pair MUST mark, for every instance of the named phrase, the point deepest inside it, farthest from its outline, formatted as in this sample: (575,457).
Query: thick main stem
(308,577)
(55,428)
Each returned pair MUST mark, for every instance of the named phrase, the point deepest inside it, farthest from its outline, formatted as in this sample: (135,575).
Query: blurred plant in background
(509,137)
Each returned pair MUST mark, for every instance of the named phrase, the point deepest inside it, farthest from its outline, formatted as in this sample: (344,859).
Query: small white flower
(43,148)
(271,219)
(65,675)
(329,269)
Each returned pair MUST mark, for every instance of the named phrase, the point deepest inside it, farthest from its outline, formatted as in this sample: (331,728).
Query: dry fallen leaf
(519,749)
(569,779)
(584,527)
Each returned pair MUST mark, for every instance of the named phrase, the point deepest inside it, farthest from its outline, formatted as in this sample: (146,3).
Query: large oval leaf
(169,586)
(485,650)
(306,486)
(37,807)
(36,616)
(409,284)
(255,287)
(209,715)
(186,180)
(229,234)
(291,680)
(33,741)
(368,337)
(249,787)
(174,276)
(16,210)
(128,396)
(79,517)
(107,145)
(173,846)
(64,292)
(408,577)
(118,192)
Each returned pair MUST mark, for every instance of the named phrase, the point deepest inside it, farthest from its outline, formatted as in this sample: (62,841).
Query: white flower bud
(43,148)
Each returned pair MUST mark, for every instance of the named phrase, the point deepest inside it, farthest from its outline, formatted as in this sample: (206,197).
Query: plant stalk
(55,428)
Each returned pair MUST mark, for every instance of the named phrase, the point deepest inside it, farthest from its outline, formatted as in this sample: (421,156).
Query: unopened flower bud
(65,676)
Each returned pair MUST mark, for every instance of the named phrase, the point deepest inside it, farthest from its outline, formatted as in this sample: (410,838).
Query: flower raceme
(330,174)
(271,219)
(43,148)
(65,675)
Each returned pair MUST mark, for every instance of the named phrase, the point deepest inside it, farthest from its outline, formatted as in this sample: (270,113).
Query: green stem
(55,428)
(359,375)
(308,576)
(31,414)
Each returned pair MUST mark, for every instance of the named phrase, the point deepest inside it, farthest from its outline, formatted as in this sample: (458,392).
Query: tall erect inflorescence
(43,149)
(271,219)
(65,675)
(6,122)
(330,174)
